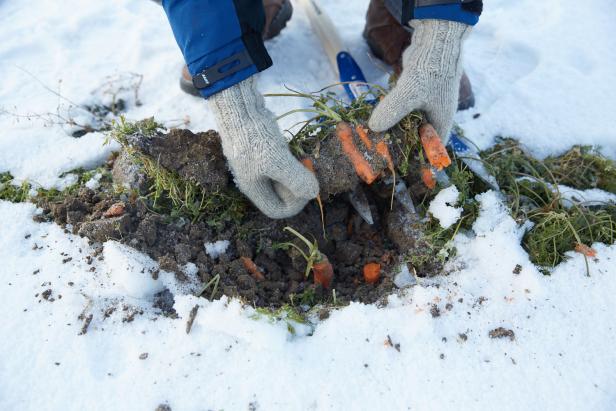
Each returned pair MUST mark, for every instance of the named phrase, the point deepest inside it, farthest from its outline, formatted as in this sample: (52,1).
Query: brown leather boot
(387,39)
(277,14)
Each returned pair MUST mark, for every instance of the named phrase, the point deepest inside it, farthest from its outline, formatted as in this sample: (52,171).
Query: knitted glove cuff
(241,109)
(436,46)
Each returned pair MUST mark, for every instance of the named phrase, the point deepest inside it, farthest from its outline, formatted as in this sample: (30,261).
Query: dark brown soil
(195,157)
(345,238)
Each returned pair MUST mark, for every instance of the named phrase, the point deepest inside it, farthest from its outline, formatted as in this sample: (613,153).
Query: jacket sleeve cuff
(259,60)
(451,12)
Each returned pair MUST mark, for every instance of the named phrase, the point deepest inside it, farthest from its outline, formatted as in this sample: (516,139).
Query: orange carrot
(383,150)
(323,272)
(363,135)
(372,272)
(115,210)
(428,177)
(586,250)
(361,165)
(315,260)
(252,268)
(307,162)
(433,147)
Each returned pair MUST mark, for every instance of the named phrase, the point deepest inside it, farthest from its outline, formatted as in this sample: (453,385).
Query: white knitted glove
(430,79)
(258,154)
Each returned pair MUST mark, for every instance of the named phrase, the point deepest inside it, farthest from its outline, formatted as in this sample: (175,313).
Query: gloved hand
(430,79)
(258,154)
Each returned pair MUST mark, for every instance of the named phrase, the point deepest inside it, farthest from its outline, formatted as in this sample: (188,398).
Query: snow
(591,197)
(544,72)
(216,249)
(571,196)
(559,359)
(442,207)
(541,71)
(94,182)
(190,269)
(134,273)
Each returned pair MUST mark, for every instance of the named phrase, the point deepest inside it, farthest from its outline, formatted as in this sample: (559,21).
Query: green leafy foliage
(531,188)
(12,191)
(327,111)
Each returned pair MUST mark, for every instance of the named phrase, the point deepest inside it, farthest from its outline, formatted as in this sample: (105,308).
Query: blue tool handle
(351,74)
(457,144)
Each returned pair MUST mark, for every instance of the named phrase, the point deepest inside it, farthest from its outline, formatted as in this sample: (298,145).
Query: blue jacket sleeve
(220,39)
(463,11)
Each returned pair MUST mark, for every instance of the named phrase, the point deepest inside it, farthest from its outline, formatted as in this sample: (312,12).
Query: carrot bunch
(354,153)
(316,261)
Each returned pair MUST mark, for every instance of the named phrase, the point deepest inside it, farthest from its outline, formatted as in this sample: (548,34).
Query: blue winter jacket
(222,44)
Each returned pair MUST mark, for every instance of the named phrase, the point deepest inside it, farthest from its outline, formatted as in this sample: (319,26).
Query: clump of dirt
(196,157)
(502,332)
(175,240)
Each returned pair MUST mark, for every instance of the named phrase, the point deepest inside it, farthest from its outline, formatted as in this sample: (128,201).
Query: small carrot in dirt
(252,268)
(372,272)
(316,261)
(586,250)
(433,147)
(427,176)
(115,210)
(323,272)
(364,170)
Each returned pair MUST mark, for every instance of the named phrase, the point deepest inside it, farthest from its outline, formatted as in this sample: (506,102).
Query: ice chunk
(404,278)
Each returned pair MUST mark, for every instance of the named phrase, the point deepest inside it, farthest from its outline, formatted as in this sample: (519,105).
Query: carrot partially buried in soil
(427,176)
(433,147)
(372,272)
(115,210)
(316,261)
(252,268)
(323,272)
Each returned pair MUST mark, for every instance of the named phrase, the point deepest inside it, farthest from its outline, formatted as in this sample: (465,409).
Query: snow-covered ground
(543,72)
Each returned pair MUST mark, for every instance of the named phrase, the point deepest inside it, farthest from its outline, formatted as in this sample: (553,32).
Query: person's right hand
(430,79)
(258,154)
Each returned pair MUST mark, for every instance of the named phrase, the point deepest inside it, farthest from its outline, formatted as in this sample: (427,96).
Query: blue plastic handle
(351,74)
(457,144)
